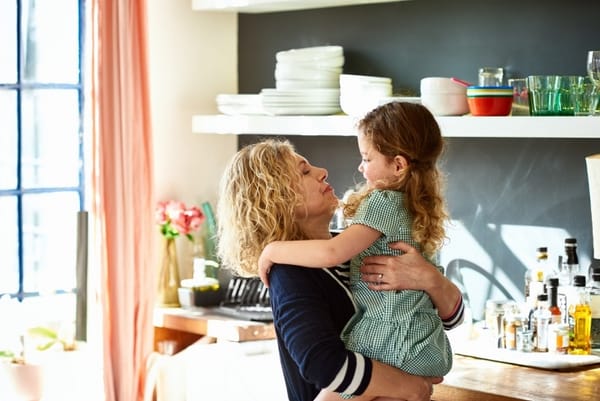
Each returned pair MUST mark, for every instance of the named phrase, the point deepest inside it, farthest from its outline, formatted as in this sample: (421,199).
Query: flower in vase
(175,218)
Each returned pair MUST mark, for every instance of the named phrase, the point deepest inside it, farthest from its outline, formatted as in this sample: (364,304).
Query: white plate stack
(360,94)
(307,81)
(301,101)
(235,104)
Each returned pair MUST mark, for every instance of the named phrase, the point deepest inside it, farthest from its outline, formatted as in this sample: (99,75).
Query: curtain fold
(122,188)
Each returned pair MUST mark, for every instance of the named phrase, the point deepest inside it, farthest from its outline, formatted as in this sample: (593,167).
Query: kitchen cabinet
(585,127)
(264,6)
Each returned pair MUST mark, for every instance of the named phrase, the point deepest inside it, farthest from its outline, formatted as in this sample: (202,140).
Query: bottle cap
(570,241)
(553,281)
(542,249)
(542,297)
(579,281)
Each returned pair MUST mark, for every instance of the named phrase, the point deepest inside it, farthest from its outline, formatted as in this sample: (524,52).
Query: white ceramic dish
(310,53)
(292,84)
(307,73)
(302,110)
(354,79)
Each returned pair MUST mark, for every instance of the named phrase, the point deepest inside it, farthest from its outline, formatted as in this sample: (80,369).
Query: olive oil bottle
(580,319)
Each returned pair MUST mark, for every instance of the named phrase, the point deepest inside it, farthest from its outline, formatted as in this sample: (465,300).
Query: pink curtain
(123,192)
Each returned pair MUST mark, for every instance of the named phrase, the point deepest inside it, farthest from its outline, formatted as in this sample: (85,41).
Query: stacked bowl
(444,96)
(360,94)
(316,67)
(306,82)
(490,100)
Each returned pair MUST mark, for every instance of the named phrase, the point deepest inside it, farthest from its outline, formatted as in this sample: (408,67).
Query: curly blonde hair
(259,194)
(409,130)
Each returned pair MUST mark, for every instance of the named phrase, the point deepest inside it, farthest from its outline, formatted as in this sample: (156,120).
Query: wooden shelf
(265,6)
(342,125)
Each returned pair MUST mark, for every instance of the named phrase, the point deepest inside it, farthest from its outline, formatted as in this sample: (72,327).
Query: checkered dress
(399,328)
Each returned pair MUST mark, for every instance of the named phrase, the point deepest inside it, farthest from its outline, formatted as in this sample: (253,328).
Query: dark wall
(506,196)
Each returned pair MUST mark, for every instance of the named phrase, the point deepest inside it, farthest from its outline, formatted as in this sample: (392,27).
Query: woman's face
(319,196)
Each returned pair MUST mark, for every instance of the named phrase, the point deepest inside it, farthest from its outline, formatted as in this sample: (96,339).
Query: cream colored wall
(192,57)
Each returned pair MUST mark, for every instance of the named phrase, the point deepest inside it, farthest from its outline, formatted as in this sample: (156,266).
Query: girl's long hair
(410,130)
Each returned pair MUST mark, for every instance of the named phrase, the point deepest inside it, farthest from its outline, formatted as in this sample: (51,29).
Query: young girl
(400,200)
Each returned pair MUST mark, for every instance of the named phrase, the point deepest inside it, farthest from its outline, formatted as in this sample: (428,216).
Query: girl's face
(374,166)
(319,196)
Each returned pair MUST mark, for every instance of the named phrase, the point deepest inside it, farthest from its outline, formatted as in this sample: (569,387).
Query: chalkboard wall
(506,196)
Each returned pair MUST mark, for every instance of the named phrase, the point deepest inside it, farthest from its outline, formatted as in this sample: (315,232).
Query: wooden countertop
(204,322)
(473,379)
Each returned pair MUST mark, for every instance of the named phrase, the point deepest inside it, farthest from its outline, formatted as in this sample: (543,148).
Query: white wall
(192,57)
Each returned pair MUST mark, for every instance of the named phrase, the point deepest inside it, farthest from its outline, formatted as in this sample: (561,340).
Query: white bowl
(441,85)
(306,84)
(445,104)
(358,106)
(444,97)
(310,53)
(352,79)
(307,73)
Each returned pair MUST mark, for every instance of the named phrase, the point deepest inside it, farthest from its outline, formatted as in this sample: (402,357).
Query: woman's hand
(411,271)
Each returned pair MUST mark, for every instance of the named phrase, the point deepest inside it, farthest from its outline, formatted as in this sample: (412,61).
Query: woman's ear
(401,163)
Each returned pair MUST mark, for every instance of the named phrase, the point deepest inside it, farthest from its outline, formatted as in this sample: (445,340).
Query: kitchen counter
(188,325)
(473,379)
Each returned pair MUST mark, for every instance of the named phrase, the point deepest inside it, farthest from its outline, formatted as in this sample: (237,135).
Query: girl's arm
(317,253)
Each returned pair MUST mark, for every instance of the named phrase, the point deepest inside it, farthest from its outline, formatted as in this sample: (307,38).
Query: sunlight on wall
(469,262)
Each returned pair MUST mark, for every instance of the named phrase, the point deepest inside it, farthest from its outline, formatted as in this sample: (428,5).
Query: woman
(268,193)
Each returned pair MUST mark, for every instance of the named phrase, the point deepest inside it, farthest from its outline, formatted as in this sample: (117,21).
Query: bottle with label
(536,276)
(595,306)
(571,264)
(569,268)
(580,318)
(555,312)
(541,316)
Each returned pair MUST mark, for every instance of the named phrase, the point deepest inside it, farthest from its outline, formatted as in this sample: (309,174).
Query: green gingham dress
(399,328)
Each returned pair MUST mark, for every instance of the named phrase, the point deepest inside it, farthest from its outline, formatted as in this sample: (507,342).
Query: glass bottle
(542,317)
(572,261)
(555,312)
(595,306)
(536,276)
(580,318)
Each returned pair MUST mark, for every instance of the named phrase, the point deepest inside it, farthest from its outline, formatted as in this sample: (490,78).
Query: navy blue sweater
(310,309)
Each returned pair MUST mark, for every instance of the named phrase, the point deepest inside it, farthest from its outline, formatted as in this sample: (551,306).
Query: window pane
(50,147)
(50,235)
(8,42)
(50,41)
(8,138)
(9,265)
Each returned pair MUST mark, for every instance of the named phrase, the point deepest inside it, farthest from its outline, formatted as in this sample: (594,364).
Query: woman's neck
(317,229)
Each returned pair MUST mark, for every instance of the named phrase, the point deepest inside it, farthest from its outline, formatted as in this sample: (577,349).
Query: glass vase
(168,280)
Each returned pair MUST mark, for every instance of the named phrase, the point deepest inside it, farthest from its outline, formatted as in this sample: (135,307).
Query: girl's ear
(401,163)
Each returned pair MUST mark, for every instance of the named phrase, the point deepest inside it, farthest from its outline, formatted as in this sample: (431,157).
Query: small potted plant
(22,375)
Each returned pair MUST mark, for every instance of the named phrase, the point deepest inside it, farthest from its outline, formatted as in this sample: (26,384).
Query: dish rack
(247,298)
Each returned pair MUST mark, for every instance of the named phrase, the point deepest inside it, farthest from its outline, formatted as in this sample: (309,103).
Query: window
(41,152)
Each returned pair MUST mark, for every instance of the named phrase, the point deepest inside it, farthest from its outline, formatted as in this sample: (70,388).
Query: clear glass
(51,138)
(9,267)
(50,41)
(8,138)
(593,70)
(8,42)
(50,241)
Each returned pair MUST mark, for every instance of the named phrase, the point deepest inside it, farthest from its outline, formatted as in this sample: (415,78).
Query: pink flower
(175,218)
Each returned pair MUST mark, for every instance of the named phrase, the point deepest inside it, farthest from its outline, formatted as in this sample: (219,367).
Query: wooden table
(186,326)
(473,379)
